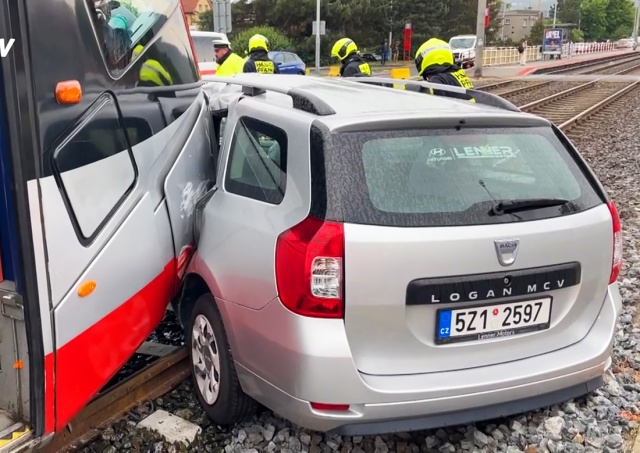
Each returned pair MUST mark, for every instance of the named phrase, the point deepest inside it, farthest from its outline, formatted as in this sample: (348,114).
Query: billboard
(553,40)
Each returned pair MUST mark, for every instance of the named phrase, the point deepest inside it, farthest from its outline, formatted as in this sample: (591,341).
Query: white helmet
(221,41)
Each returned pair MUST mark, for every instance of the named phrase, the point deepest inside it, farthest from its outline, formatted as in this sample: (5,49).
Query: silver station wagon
(373,259)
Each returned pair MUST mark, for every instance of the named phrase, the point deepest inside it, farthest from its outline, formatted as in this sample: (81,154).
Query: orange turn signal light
(86,288)
(68,92)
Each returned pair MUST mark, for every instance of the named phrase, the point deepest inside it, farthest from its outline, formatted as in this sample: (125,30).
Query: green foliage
(607,19)
(368,22)
(620,15)
(569,11)
(277,40)
(576,35)
(205,20)
(537,33)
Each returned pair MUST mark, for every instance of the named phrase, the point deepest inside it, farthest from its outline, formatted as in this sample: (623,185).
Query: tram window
(122,25)
(95,168)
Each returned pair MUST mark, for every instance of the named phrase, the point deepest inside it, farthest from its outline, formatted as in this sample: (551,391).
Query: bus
(105,141)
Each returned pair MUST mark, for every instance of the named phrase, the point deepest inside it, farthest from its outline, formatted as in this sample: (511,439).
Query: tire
(229,405)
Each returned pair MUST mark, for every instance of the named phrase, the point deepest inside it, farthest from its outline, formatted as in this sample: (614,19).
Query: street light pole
(318,37)
(555,13)
(482,9)
(635,22)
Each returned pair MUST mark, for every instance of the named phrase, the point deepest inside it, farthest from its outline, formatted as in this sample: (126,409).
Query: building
(193,7)
(516,24)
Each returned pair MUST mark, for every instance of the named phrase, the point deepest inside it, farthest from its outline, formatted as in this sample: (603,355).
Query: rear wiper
(505,207)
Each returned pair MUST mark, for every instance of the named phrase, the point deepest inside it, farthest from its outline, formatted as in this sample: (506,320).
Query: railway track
(589,101)
(153,381)
(509,88)
(569,107)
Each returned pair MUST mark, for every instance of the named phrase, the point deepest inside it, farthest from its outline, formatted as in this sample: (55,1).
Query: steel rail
(584,115)
(563,94)
(153,381)
(494,88)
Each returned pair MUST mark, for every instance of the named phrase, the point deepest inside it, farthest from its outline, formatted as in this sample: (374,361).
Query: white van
(203,42)
(464,50)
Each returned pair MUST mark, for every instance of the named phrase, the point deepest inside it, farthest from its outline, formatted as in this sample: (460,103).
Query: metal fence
(496,56)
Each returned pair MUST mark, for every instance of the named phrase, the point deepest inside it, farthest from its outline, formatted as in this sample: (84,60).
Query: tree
(569,11)
(277,40)
(537,32)
(619,16)
(576,35)
(594,19)
(205,20)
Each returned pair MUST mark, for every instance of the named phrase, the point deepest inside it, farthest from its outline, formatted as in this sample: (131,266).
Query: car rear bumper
(286,361)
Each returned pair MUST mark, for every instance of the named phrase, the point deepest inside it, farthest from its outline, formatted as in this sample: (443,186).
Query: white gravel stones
(600,422)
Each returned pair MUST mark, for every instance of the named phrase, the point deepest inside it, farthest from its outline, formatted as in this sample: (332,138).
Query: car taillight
(193,47)
(310,268)
(616,263)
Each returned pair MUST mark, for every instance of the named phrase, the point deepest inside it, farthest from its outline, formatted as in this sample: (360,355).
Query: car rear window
(450,177)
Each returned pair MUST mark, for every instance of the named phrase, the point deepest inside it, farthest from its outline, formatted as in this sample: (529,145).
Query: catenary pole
(482,8)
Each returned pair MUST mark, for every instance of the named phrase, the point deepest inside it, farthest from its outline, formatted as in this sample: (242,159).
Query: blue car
(288,62)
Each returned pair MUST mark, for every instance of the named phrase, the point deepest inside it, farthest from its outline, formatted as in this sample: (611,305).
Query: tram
(104,144)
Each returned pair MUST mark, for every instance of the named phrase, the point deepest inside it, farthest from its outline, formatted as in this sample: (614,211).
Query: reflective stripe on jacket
(153,73)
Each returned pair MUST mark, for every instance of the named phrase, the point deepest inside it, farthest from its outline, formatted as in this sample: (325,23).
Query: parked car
(376,260)
(371,58)
(288,62)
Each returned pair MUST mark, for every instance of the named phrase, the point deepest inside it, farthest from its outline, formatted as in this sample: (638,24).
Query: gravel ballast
(603,421)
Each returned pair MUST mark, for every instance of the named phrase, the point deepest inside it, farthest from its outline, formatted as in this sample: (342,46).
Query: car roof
(355,104)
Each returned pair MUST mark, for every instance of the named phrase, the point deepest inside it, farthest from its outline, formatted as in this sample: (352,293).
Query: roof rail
(302,99)
(481,97)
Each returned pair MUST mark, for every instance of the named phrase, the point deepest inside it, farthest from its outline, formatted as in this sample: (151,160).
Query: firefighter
(259,60)
(229,63)
(435,63)
(353,65)
(152,73)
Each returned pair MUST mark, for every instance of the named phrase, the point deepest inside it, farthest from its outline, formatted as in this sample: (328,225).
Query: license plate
(486,322)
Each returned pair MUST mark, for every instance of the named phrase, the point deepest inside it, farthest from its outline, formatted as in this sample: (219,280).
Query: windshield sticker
(439,155)
(479,152)
(471,152)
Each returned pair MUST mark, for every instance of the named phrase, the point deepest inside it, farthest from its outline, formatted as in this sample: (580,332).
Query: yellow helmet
(433,52)
(258,42)
(343,48)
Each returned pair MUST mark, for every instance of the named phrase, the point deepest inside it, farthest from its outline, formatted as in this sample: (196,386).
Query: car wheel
(213,370)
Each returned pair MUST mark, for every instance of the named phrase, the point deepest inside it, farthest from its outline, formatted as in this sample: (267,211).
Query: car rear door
(117,214)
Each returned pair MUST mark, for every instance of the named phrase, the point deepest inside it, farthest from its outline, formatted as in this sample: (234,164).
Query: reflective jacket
(230,64)
(153,74)
(260,62)
(355,66)
(449,75)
